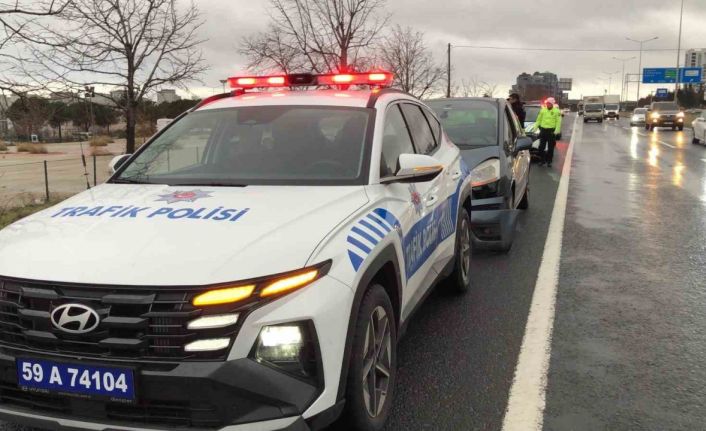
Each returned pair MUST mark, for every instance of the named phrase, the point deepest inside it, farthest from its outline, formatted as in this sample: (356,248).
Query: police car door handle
(456,175)
(431,200)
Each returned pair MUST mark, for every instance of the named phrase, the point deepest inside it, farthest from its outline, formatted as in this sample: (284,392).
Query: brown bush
(3,146)
(100,152)
(31,148)
(100,141)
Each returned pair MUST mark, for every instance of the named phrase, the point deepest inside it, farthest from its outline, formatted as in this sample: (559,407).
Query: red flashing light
(366,78)
(257,81)
(377,78)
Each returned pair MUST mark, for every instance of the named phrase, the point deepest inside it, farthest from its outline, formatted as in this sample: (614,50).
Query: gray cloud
(596,24)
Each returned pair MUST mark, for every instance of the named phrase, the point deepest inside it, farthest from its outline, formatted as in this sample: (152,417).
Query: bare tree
(473,87)
(133,46)
(404,53)
(14,17)
(489,90)
(318,35)
(469,87)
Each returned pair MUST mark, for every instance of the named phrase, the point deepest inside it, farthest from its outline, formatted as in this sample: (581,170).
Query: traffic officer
(549,125)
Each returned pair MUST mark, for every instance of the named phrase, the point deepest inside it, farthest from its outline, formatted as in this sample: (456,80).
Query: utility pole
(448,70)
(623,96)
(223,82)
(676,86)
(639,67)
(90,94)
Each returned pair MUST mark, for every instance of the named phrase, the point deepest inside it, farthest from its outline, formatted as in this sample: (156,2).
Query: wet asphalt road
(629,342)
(629,346)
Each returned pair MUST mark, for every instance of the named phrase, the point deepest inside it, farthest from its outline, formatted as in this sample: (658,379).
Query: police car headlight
(654,115)
(262,288)
(485,173)
(290,347)
(680,115)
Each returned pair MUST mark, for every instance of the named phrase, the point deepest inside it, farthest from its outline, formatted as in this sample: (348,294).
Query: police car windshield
(531,113)
(265,145)
(469,123)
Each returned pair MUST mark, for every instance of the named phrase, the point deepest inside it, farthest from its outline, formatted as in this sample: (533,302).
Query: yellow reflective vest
(549,119)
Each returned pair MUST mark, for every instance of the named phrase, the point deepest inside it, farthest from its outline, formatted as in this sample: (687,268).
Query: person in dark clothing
(517,107)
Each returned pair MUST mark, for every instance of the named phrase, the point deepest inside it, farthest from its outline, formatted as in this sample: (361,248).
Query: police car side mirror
(414,168)
(117,162)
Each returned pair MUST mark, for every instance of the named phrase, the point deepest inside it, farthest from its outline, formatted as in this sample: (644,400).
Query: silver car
(639,117)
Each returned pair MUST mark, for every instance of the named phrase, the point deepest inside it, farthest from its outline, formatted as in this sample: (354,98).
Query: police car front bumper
(232,395)
(32,419)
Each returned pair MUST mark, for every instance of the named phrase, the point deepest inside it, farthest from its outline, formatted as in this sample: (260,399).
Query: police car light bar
(377,78)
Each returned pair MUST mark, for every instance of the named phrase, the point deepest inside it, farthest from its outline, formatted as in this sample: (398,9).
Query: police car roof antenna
(85,170)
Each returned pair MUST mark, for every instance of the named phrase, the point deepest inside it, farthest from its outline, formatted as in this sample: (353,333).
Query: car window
(395,141)
(531,113)
(468,123)
(435,125)
(279,145)
(421,132)
(510,132)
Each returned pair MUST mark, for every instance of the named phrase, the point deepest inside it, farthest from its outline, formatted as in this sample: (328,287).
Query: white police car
(251,267)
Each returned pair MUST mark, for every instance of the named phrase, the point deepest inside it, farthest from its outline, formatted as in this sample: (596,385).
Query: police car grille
(148,324)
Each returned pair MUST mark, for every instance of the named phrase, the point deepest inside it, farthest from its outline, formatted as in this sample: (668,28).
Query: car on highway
(593,112)
(699,126)
(639,116)
(251,267)
(664,114)
(611,111)
(496,150)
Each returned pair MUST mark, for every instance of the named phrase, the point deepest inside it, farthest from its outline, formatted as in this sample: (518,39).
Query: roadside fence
(41,181)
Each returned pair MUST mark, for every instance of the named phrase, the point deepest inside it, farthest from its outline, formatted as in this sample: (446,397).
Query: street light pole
(448,70)
(676,85)
(623,96)
(639,67)
(223,82)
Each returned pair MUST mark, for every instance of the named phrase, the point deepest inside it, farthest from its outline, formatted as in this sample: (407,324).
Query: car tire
(373,365)
(617,117)
(460,279)
(585,121)
(681,128)
(647,127)
(524,202)
(695,140)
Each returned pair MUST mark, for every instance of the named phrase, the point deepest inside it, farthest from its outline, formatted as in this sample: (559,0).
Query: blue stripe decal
(421,240)
(387,216)
(372,228)
(359,244)
(356,260)
(365,235)
(378,221)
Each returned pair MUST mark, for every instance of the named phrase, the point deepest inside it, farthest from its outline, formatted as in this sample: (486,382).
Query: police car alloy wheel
(371,378)
(460,279)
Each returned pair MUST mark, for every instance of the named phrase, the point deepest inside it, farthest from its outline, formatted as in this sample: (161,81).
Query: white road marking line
(666,144)
(525,407)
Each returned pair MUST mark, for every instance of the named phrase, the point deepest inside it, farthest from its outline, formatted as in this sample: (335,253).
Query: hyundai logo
(75,318)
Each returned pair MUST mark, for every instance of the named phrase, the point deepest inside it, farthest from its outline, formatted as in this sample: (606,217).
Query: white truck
(593,108)
(611,106)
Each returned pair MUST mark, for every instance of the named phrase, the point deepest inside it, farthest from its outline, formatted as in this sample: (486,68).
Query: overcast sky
(599,24)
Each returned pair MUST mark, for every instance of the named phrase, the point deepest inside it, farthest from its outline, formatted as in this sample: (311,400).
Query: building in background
(696,58)
(167,96)
(541,85)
